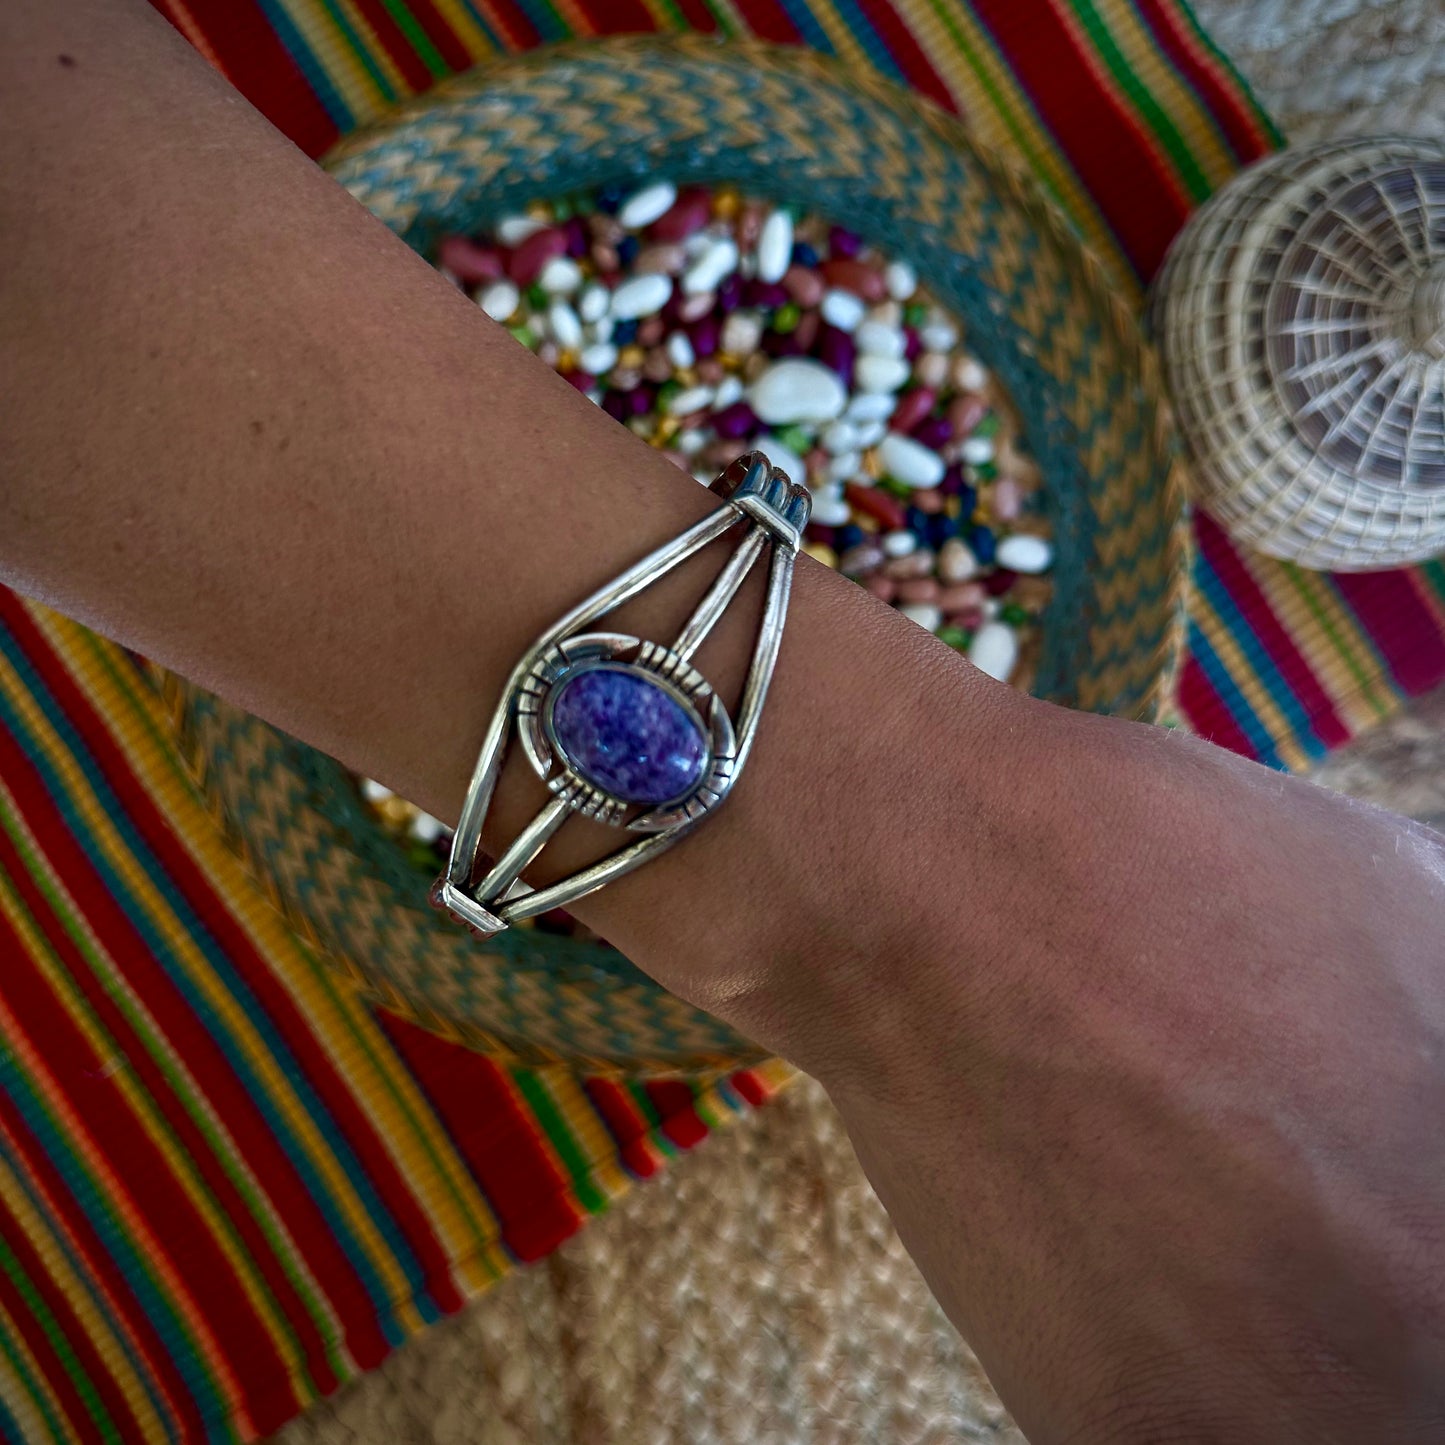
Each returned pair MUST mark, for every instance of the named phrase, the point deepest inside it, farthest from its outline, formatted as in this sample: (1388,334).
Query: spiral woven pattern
(793,126)
(1301,315)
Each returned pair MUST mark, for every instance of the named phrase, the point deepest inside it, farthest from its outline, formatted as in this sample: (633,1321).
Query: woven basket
(790,125)
(1301,318)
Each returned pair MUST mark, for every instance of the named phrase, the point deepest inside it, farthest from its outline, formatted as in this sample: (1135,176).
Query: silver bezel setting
(662,668)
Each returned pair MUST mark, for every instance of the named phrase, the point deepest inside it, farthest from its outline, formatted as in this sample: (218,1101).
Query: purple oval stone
(628,735)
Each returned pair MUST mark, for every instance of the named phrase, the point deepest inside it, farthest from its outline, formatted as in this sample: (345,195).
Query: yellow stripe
(19,1392)
(473,39)
(228,1154)
(136,1225)
(332,1006)
(1248,681)
(1011,127)
(40,1231)
(331,51)
(1299,599)
(366,33)
(147,1115)
(104,837)
(1179,101)
(566,1092)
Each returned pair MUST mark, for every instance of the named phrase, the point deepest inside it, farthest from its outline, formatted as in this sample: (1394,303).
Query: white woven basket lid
(1301,320)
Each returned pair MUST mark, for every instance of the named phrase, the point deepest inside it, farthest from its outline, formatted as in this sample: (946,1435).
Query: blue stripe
(549,25)
(310,68)
(806,24)
(238,1058)
(1231,697)
(9,1425)
(94,1203)
(874,46)
(481,22)
(1302,725)
(35,1388)
(63,1246)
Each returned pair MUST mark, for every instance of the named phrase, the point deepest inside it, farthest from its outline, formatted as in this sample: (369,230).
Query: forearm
(1104,1010)
(253,436)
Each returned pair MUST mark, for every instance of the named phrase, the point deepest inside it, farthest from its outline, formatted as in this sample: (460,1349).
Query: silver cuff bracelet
(622,729)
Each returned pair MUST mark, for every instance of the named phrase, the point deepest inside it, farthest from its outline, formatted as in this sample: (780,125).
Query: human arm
(1128,1032)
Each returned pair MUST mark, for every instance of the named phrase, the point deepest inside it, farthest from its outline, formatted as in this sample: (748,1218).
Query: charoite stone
(628,735)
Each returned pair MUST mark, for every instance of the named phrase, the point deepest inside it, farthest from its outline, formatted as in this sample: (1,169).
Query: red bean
(887,510)
(470,263)
(856,276)
(912,407)
(525,264)
(689,213)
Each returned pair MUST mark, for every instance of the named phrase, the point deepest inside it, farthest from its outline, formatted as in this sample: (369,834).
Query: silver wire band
(772,511)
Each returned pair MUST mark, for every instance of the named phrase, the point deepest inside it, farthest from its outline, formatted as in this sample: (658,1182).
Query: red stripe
(47,1361)
(506,17)
(187,1036)
(496,1136)
(1141,200)
(677,1111)
(1400,624)
(628,1128)
(88,1357)
(909,55)
(750,1087)
(1266,627)
(768,21)
(46,1179)
(141,1167)
(259,66)
(1206,713)
(394,43)
(346,1114)
(440,33)
(617,17)
(697,15)
(1247,139)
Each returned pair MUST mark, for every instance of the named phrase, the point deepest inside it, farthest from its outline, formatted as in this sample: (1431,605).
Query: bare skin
(1141,1044)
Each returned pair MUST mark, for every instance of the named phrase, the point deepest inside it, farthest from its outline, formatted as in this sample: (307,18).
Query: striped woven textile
(227,1184)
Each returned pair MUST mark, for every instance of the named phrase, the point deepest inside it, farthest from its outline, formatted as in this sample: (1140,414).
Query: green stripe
(549,1116)
(1262,119)
(1363,680)
(363,53)
(1148,108)
(51,1328)
(1434,575)
(408,24)
(944,12)
(483,1229)
(128,682)
(95,1201)
(58,1233)
(221,1149)
(33,1388)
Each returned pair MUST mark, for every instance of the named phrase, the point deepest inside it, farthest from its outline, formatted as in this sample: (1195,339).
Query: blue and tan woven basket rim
(794,126)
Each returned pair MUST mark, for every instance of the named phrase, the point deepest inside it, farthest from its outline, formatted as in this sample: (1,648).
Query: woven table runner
(227,1184)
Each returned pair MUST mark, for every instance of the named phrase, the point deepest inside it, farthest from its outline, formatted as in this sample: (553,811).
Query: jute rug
(756,1294)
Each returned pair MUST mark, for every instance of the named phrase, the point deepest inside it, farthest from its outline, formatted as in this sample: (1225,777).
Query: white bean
(599,358)
(842,309)
(775,247)
(566,329)
(643,207)
(561,276)
(641,296)
(901,280)
(680,350)
(712,267)
(513,230)
(500,300)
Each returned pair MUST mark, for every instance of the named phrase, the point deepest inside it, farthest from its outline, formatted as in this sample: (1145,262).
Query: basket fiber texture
(1301,317)
(793,126)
